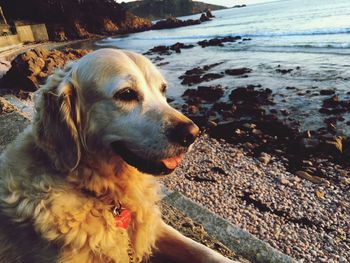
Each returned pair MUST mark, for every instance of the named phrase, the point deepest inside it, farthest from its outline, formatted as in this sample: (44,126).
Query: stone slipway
(236,239)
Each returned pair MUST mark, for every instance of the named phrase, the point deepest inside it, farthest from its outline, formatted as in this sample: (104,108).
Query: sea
(312,37)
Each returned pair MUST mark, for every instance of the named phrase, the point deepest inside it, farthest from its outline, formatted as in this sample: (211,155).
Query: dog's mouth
(154,167)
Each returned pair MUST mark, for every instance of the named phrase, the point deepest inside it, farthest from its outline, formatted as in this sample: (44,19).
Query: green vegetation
(157,9)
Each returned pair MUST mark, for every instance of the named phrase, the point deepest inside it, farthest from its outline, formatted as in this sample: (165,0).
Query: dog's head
(112,102)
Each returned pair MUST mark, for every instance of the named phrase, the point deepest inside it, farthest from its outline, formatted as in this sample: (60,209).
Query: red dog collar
(122,216)
(123,219)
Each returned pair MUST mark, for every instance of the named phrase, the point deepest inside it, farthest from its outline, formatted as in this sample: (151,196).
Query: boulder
(173,22)
(237,71)
(30,69)
(204,93)
(252,96)
(327,92)
(284,71)
(218,41)
(208,13)
(194,76)
(204,18)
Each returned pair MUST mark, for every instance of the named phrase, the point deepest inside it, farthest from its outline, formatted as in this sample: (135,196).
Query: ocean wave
(335,49)
(317,46)
(333,31)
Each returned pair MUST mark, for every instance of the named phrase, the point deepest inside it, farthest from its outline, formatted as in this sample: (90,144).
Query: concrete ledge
(236,239)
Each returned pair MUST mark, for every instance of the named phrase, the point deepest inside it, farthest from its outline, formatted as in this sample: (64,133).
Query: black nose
(184,133)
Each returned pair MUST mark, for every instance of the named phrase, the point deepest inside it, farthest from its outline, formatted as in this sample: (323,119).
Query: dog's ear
(57,122)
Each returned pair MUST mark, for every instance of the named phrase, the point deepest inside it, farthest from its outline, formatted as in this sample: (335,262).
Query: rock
(331,102)
(218,41)
(80,29)
(208,13)
(178,46)
(320,194)
(309,177)
(223,106)
(191,79)
(211,76)
(166,50)
(334,105)
(283,180)
(237,71)
(257,132)
(239,6)
(194,71)
(211,125)
(194,76)
(5,106)
(223,129)
(284,71)
(345,180)
(327,92)
(204,93)
(285,112)
(264,158)
(252,96)
(307,134)
(132,23)
(31,68)
(249,125)
(173,22)
(193,109)
(343,173)
(204,18)
(161,50)
(109,26)
(308,163)
(335,144)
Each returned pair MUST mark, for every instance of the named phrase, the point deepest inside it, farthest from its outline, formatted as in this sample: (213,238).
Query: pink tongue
(172,163)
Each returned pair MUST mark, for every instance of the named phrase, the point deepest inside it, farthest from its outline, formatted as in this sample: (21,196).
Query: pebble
(264,158)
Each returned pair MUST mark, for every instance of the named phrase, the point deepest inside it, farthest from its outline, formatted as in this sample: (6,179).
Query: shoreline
(287,186)
(269,199)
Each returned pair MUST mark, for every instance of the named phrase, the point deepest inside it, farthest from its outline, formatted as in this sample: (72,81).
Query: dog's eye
(163,88)
(126,95)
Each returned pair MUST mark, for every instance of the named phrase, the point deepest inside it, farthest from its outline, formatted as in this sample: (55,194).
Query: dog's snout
(184,133)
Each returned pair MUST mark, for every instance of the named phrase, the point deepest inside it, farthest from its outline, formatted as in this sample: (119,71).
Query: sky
(228,3)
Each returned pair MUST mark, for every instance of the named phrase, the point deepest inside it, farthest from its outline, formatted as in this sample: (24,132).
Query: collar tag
(123,219)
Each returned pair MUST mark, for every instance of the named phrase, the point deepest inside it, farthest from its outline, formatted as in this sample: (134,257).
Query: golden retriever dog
(77,185)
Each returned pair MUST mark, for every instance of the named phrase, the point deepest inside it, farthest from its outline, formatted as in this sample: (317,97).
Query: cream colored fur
(46,213)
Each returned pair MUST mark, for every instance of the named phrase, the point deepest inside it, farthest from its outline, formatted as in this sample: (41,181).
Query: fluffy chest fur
(80,227)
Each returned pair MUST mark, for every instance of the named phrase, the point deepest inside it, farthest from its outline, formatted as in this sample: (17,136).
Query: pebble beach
(308,221)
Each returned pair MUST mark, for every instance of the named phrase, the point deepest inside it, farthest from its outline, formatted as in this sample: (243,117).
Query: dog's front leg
(183,249)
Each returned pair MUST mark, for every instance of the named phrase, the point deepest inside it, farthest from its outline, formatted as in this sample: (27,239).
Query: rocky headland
(152,9)
(68,20)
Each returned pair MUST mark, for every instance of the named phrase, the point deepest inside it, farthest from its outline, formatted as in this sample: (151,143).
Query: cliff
(71,19)
(158,9)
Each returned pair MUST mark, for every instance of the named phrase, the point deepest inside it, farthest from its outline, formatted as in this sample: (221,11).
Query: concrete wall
(28,33)
(25,33)
(5,29)
(40,32)
(9,40)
